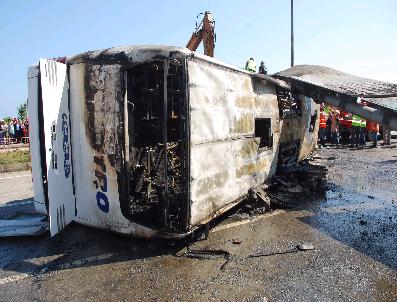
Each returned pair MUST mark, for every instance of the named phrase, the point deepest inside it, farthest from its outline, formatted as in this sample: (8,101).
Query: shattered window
(157,117)
(263,129)
(289,106)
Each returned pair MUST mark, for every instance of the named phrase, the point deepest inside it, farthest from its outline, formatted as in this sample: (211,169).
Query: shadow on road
(18,201)
(77,246)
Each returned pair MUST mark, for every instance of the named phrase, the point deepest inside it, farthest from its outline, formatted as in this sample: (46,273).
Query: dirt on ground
(353,230)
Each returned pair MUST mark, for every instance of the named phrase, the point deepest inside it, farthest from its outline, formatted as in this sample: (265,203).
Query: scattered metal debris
(261,198)
(206,254)
(24,225)
(306,246)
(19,219)
(300,247)
(296,184)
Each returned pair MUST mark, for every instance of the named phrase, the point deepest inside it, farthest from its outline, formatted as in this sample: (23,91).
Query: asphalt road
(15,187)
(353,230)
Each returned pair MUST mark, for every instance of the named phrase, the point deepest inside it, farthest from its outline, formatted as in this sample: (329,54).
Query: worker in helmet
(250,65)
(356,131)
(262,68)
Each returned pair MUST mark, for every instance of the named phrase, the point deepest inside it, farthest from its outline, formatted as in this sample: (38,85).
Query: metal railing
(12,140)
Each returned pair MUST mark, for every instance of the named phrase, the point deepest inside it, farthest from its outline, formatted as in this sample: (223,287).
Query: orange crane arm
(204,32)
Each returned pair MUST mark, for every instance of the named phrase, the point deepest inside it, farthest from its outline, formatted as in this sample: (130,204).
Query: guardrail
(11,140)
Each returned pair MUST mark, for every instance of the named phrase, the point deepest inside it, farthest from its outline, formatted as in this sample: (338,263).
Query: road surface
(353,230)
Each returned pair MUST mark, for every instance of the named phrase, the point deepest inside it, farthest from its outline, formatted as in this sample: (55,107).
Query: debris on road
(306,246)
(206,254)
(295,249)
(296,184)
(20,219)
(24,225)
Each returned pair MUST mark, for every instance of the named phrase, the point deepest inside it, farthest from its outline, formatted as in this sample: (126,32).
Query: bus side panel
(231,117)
(34,133)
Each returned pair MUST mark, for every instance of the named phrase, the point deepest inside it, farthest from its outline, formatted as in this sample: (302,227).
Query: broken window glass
(289,105)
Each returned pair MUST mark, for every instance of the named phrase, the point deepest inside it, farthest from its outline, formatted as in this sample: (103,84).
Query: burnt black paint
(43,157)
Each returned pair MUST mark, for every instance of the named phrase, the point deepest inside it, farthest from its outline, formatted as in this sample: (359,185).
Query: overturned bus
(155,140)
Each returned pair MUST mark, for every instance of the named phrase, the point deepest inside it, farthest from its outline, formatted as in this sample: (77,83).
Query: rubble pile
(293,185)
(290,187)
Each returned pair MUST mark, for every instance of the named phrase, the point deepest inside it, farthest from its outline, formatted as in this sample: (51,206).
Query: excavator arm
(204,32)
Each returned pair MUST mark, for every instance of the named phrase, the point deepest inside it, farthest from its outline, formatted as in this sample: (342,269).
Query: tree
(22,111)
(7,119)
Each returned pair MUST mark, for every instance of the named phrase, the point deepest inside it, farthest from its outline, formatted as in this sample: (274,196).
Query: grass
(14,157)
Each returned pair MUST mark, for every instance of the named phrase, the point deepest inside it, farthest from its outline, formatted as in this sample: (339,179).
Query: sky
(355,36)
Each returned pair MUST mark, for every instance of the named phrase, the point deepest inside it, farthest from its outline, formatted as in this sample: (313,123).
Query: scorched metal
(156,140)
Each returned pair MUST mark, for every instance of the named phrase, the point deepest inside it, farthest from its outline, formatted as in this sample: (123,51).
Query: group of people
(13,131)
(251,66)
(329,129)
(329,126)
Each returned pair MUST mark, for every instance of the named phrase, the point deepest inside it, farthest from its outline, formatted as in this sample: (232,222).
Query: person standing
(262,68)
(18,130)
(335,127)
(3,131)
(386,135)
(7,133)
(374,128)
(26,133)
(322,126)
(250,65)
(356,129)
(363,126)
(11,130)
(328,129)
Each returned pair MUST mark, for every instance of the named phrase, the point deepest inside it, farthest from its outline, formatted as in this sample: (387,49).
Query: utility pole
(292,33)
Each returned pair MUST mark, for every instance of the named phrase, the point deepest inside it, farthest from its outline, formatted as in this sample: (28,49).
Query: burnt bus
(156,140)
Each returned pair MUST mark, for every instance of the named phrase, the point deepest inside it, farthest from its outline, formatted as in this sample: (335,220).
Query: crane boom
(204,32)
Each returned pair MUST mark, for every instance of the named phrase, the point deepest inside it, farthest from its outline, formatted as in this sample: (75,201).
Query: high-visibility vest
(363,123)
(373,126)
(323,122)
(356,120)
(250,66)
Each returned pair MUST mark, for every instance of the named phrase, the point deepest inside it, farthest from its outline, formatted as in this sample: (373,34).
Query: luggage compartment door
(55,95)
